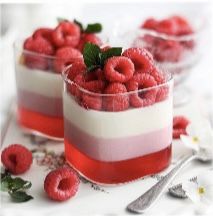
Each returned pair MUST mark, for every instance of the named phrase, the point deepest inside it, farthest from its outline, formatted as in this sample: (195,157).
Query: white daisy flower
(201,191)
(198,136)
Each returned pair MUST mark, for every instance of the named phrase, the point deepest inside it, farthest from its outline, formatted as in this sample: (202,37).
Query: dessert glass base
(40,125)
(108,173)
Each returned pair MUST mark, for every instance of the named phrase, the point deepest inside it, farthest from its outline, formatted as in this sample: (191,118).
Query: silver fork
(147,200)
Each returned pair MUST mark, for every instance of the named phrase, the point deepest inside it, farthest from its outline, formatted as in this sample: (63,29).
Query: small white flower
(198,136)
(201,191)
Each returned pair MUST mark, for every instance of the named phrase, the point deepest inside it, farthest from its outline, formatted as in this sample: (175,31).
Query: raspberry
(150,24)
(73,88)
(91,102)
(61,184)
(142,98)
(118,101)
(183,27)
(179,126)
(94,86)
(97,74)
(158,75)
(167,26)
(16,158)
(162,93)
(64,57)
(91,38)
(100,74)
(141,58)
(149,40)
(38,47)
(168,50)
(77,67)
(66,34)
(118,69)
(45,33)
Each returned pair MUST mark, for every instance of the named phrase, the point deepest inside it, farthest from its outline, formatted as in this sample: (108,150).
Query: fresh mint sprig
(90,28)
(95,58)
(15,187)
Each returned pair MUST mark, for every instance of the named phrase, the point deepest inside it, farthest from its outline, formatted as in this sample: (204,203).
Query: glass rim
(64,74)
(164,36)
(18,45)
(180,38)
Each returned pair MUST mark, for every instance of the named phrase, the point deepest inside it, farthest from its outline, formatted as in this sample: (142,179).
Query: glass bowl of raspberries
(175,44)
(39,61)
(117,115)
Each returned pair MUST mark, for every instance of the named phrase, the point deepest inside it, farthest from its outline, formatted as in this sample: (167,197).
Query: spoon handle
(146,200)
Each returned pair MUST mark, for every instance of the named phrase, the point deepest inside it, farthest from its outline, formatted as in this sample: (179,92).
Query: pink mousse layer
(38,103)
(117,149)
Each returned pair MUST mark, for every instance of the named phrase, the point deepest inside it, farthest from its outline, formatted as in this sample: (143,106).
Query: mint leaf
(79,24)
(4,174)
(20,196)
(94,58)
(114,51)
(6,182)
(19,183)
(91,54)
(93,28)
(60,19)
(15,187)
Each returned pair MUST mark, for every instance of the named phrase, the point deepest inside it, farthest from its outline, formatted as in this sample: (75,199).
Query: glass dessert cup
(113,147)
(177,54)
(39,93)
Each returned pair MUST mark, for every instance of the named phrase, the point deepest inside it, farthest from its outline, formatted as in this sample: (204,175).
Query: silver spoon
(146,201)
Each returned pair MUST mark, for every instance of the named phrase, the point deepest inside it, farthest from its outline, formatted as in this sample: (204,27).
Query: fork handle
(147,200)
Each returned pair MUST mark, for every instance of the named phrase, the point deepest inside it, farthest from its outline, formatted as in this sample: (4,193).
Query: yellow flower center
(195,139)
(201,190)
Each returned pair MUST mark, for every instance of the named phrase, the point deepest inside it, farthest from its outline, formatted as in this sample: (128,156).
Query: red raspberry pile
(168,50)
(58,47)
(121,81)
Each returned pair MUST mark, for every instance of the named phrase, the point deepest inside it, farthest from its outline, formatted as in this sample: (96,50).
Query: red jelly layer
(119,171)
(47,125)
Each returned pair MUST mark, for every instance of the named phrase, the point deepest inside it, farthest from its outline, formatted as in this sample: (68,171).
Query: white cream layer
(37,81)
(118,124)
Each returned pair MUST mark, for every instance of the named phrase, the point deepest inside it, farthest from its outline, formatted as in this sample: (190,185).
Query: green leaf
(114,51)
(4,174)
(6,183)
(19,183)
(60,19)
(20,196)
(93,28)
(15,187)
(79,24)
(91,54)
(92,68)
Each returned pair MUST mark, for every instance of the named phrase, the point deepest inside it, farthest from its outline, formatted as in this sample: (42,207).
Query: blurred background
(20,20)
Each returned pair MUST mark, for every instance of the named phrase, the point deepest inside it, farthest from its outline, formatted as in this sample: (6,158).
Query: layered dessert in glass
(117,116)
(39,61)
